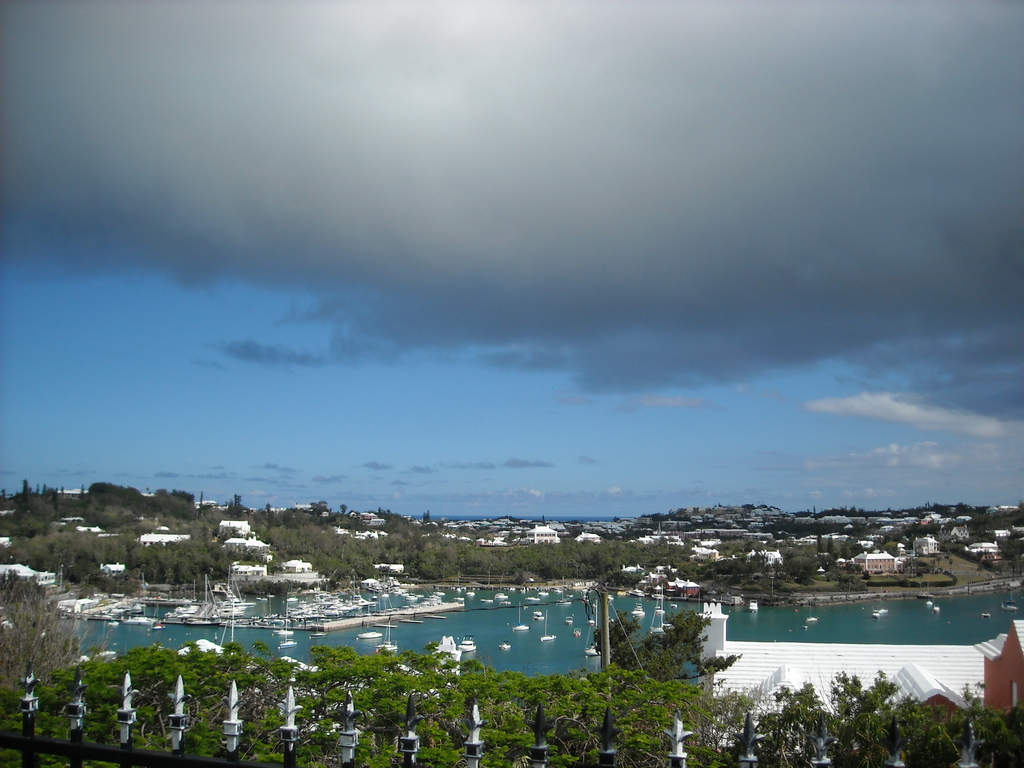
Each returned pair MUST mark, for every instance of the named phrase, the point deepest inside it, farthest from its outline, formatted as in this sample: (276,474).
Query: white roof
(917,669)
(993,649)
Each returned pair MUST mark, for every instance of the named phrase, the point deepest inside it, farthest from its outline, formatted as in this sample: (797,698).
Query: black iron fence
(76,750)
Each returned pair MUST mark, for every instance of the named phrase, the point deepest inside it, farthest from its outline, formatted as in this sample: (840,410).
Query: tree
(31,632)
(675,654)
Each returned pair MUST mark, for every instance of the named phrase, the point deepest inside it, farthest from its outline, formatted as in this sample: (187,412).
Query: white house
(234,528)
(542,534)
(43,578)
(253,545)
(246,572)
(937,674)
(296,566)
(389,567)
(926,546)
(112,569)
(770,557)
(148,539)
(593,538)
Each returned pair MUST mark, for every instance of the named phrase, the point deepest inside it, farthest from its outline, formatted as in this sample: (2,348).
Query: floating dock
(404,615)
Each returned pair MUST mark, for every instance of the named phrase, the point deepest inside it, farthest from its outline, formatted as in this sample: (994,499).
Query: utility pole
(606,635)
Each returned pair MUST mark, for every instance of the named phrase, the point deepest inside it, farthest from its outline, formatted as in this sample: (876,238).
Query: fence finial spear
(608,731)
(77,687)
(350,713)
(127,691)
(968,746)
(30,681)
(822,741)
(289,708)
(748,740)
(231,702)
(678,735)
(179,697)
(474,723)
(894,743)
(541,726)
(411,718)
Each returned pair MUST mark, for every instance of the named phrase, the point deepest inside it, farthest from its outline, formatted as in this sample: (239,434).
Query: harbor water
(959,621)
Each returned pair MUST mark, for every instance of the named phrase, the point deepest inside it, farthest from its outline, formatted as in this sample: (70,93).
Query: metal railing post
(232,726)
(678,735)
(474,744)
(539,750)
(179,720)
(606,756)
(409,744)
(349,736)
(126,715)
(76,711)
(289,731)
(821,742)
(29,707)
(748,741)
(894,744)
(968,747)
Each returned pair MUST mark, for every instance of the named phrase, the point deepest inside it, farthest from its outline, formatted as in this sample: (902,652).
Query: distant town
(114,538)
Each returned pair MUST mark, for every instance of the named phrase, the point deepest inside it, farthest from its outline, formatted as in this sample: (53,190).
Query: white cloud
(889,406)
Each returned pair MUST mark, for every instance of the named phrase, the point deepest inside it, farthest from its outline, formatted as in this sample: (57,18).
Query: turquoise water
(908,622)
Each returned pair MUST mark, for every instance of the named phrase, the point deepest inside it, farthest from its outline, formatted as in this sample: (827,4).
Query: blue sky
(538,260)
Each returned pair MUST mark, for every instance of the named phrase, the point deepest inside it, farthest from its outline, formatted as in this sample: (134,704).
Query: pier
(404,615)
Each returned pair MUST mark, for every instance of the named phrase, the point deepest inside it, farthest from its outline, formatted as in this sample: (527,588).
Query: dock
(403,615)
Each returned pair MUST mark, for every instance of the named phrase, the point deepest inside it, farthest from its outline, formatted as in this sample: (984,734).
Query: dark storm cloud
(663,194)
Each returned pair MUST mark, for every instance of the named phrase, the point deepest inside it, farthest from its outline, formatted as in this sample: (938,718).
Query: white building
(43,578)
(234,528)
(926,546)
(296,566)
(246,572)
(542,534)
(148,539)
(770,557)
(252,545)
(929,673)
(112,569)
(389,567)
(592,538)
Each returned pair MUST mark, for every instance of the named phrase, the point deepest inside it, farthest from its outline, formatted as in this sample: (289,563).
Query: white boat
(591,650)
(1009,605)
(520,627)
(505,646)
(372,635)
(144,621)
(568,620)
(546,638)
(638,611)
(471,594)
(468,644)
(387,645)
(501,596)
(875,614)
(935,609)
(287,644)
(811,619)
(538,615)
(752,606)
(533,599)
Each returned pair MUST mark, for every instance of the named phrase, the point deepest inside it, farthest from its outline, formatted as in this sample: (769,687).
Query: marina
(960,621)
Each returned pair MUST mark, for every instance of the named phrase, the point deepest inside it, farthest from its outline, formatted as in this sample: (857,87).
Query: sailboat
(520,627)
(387,645)
(546,637)
(591,649)
(811,619)
(658,622)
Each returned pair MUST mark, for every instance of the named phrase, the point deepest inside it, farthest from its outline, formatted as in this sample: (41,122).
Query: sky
(485,258)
